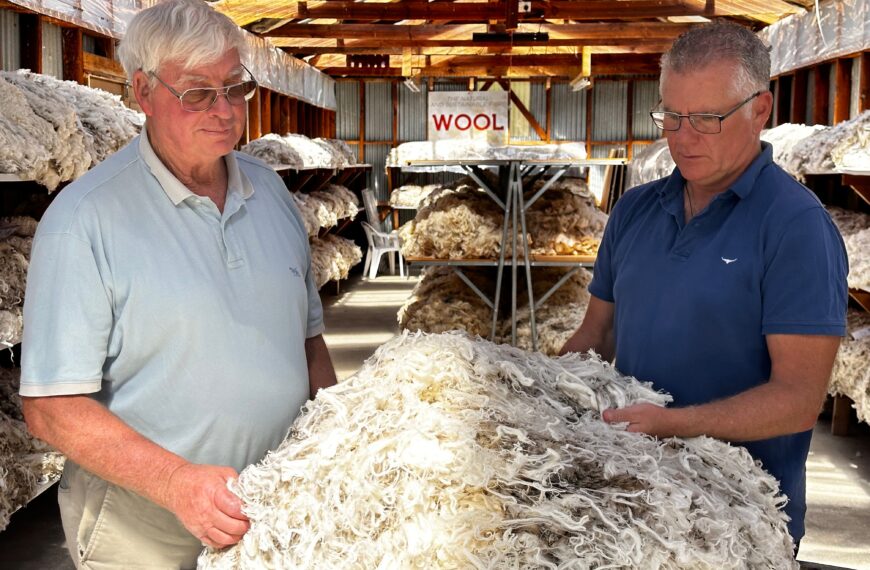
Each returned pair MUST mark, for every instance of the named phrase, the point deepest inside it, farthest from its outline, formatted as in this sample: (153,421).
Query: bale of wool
(332,257)
(817,153)
(411,195)
(346,202)
(565,220)
(851,374)
(442,302)
(340,151)
(784,138)
(848,221)
(457,222)
(274,150)
(308,211)
(558,318)
(858,251)
(854,154)
(313,155)
(26,139)
(25,463)
(108,122)
(11,326)
(23,226)
(449,452)
(13,275)
(69,147)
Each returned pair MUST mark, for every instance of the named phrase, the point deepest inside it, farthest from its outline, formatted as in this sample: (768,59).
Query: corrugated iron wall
(10,41)
(645,97)
(412,113)
(347,115)
(376,179)
(379,112)
(609,121)
(52,50)
(568,113)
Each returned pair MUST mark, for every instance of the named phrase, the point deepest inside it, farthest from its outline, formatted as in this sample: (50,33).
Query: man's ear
(142,90)
(762,107)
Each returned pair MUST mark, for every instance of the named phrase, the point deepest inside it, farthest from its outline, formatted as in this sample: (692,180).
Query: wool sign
(467,115)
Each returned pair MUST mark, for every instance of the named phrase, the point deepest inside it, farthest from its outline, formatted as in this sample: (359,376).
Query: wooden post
(841,416)
(630,120)
(548,99)
(254,129)
(285,114)
(293,116)
(864,102)
(799,97)
(589,122)
(30,26)
(266,111)
(362,120)
(842,89)
(275,102)
(73,61)
(783,99)
(820,95)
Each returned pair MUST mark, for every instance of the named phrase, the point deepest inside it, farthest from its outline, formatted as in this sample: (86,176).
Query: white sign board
(467,115)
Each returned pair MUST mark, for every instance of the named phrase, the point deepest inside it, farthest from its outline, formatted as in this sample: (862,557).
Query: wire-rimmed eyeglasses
(201,99)
(704,123)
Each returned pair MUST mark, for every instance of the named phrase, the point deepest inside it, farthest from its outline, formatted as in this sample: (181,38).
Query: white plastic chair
(380,242)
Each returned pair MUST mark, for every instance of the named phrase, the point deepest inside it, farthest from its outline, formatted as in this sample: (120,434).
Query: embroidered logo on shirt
(729,261)
(295,272)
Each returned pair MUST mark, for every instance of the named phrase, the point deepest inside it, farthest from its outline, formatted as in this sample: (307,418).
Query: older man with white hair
(173,328)
(724,283)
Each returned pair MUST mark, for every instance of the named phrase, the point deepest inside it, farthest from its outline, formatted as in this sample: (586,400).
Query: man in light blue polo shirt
(173,328)
(724,283)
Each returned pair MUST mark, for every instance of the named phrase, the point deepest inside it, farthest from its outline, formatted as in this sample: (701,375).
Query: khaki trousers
(108,527)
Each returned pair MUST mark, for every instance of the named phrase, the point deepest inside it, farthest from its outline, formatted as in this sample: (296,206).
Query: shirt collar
(741,187)
(176,191)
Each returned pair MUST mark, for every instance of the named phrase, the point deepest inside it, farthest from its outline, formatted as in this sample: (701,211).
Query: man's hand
(198,496)
(647,418)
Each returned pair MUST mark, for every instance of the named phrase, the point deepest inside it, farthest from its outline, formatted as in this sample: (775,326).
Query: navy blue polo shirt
(693,302)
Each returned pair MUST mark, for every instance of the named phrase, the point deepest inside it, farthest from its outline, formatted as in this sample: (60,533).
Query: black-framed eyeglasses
(200,99)
(704,123)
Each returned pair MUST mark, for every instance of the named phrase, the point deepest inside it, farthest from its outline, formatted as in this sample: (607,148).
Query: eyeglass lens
(708,124)
(201,99)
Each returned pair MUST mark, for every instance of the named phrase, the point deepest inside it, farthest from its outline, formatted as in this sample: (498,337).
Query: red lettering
(442,122)
(495,127)
(467,122)
(485,124)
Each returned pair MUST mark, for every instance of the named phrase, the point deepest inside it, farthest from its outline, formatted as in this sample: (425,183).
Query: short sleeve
(67,319)
(804,287)
(315,308)
(601,285)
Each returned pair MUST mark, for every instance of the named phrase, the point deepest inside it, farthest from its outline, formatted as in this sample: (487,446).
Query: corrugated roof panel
(609,111)
(568,113)
(379,111)
(347,112)
(450,86)
(413,108)
(645,97)
(10,41)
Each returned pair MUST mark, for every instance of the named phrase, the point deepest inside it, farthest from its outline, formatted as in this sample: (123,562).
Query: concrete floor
(363,316)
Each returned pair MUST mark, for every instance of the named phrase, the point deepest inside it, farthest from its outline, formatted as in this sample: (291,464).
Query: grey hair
(722,42)
(188,32)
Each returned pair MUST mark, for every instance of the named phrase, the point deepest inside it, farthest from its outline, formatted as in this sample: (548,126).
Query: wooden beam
(548,98)
(418,35)
(362,121)
(524,111)
(73,63)
(511,14)
(104,66)
(301,49)
(254,130)
(477,12)
(842,89)
(266,111)
(275,106)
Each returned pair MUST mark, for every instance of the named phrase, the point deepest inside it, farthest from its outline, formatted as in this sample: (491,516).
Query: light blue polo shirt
(187,323)
(693,302)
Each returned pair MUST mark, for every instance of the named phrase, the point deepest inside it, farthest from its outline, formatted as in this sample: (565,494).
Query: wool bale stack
(851,374)
(274,150)
(332,258)
(855,229)
(15,244)
(442,302)
(25,462)
(449,452)
(299,152)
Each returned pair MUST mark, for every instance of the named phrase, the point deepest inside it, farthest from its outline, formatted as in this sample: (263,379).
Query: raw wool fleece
(25,138)
(273,149)
(69,150)
(848,221)
(446,452)
(784,138)
(858,251)
(442,302)
(339,149)
(13,275)
(411,195)
(851,374)
(565,220)
(332,257)
(323,208)
(25,462)
(313,155)
(558,318)
(819,152)
(459,221)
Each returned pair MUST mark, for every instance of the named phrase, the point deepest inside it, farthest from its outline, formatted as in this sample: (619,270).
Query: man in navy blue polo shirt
(725,283)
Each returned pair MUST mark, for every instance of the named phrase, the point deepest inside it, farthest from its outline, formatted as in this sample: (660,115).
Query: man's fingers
(222,539)
(230,525)
(229,504)
(612,416)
